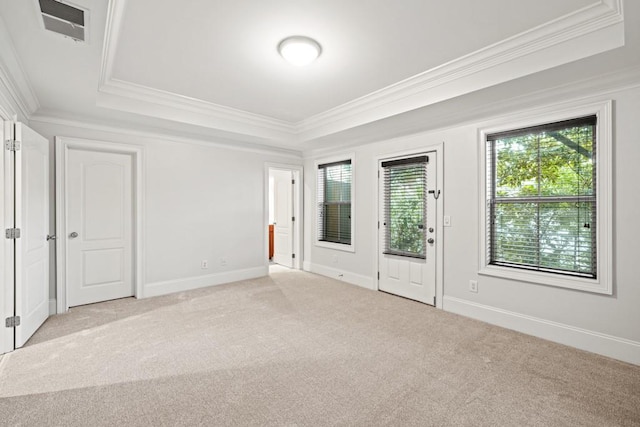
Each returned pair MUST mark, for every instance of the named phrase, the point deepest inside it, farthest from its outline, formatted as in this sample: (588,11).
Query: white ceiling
(212,69)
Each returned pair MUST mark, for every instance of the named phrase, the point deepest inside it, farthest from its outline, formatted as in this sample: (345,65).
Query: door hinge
(293,256)
(434,301)
(378,275)
(11,322)
(378,225)
(293,181)
(12,233)
(12,145)
(293,218)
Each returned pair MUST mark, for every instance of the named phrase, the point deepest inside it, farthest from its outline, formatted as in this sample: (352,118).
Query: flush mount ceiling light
(299,50)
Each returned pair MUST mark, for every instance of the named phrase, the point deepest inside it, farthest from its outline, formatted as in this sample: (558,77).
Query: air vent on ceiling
(63,19)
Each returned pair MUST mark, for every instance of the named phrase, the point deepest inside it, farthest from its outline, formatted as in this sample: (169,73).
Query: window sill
(336,246)
(548,279)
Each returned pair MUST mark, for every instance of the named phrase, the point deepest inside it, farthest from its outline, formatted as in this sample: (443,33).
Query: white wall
(202,202)
(605,324)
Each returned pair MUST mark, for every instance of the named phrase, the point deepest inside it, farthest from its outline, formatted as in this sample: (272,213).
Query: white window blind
(334,202)
(405,206)
(541,198)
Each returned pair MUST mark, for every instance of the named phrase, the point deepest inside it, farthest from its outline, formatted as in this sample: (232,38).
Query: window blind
(334,202)
(405,206)
(542,199)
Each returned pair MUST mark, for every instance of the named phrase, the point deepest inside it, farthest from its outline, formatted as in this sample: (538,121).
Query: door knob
(51,237)
(430,240)
(73,235)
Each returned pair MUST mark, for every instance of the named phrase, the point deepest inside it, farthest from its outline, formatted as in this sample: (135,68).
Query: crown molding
(591,89)
(13,78)
(127,130)
(585,32)
(127,96)
(577,35)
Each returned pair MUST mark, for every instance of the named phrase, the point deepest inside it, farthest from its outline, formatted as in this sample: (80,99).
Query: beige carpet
(299,349)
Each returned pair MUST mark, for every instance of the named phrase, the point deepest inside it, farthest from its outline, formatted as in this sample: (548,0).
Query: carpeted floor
(300,349)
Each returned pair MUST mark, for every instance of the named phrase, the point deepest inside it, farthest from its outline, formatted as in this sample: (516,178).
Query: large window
(542,198)
(334,202)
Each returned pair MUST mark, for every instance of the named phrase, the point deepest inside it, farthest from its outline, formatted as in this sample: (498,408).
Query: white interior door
(32,218)
(407,232)
(99,226)
(283,217)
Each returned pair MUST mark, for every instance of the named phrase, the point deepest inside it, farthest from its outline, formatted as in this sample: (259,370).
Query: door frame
(297,172)
(62,147)
(439,150)
(7,252)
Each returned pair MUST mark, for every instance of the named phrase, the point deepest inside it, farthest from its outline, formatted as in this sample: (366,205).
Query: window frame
(603,284)
(332,245)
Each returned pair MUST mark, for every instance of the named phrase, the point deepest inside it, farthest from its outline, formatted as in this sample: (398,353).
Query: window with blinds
(405,206)
(541,198)
(334,202)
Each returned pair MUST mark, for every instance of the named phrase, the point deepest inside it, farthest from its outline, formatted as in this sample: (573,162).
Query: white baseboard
(179,285)
(53,308)
(345,276)
(595,342)
(306,266)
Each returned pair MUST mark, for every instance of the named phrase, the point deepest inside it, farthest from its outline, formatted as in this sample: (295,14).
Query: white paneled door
(283,217)
(32,219)
(99,226)
(407,232)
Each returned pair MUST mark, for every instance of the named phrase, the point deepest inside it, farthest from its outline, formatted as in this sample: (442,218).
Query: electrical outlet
(473,286)
(447,221)
(223,261)
(204,264)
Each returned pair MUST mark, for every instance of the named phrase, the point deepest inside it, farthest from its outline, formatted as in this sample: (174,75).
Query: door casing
(297,211)
(439,149)
(63,145)
(7,289)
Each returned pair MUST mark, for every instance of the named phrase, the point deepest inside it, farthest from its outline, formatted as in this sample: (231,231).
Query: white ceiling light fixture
(299,50)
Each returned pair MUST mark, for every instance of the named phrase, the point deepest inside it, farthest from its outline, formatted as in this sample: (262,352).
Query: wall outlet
(447,221)
(204,264)
(223,261)
(473,286)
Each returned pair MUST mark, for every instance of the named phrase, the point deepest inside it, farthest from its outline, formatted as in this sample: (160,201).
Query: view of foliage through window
(542,198)
(405,208)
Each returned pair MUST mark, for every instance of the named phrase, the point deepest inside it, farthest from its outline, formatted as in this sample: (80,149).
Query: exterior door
(32,218)
(407,232)
(283,217)
(99,226)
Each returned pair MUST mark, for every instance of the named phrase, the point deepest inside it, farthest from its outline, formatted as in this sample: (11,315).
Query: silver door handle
(51,237)
(430,240)
(73,235)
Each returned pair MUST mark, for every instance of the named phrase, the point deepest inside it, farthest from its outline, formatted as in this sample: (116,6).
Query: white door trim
(63,144)
(297,211)
(439,149)
(7,285)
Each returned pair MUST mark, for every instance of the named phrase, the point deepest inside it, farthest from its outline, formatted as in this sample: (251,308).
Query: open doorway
(283,208)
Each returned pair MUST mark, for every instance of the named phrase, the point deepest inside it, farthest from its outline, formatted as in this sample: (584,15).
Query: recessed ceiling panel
(225,52)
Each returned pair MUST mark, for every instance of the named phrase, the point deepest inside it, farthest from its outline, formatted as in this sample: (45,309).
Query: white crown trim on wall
(577,35)
(14,79)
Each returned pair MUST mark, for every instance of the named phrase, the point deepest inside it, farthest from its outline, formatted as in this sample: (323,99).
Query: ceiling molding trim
(585,32)
(601,24)
(595,88)
(13,77)
(131,131)
(127,96)
(218,115)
